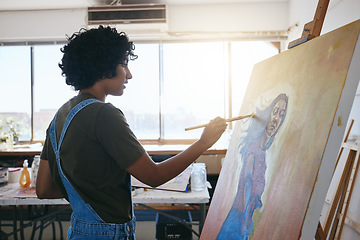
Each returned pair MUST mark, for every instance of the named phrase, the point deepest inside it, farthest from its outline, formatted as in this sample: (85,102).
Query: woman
(90,152)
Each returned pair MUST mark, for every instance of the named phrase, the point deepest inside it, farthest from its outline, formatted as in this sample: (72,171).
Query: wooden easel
(336,215)
(313,29)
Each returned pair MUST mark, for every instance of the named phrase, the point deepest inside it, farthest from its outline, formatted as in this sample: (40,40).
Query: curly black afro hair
(92,55)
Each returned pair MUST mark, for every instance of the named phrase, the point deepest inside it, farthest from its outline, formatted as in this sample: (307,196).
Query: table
(35,149)
(142,198)
(44,211)
(159,196)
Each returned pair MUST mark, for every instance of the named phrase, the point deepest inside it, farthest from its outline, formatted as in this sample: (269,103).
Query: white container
(14,175)
(4,176)
(198,177)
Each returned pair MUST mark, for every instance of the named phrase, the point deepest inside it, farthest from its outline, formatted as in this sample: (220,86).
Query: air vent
(126,14)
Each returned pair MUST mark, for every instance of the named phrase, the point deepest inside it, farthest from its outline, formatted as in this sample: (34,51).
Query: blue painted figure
(262,130)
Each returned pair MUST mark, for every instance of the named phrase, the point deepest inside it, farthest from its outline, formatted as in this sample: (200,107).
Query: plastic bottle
(25,176)
(34,170)
(198,177)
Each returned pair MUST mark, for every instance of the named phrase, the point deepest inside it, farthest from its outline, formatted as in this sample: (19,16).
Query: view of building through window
(174,86)
(50,89)
(15,86)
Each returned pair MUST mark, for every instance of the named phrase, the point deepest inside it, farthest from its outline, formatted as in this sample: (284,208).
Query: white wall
(229,17)
(40,25)
(340,13)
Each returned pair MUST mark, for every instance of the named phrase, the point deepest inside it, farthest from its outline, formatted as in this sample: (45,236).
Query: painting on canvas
(273,160)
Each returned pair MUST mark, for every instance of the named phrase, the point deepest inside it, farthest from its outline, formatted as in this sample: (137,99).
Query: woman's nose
(128,73)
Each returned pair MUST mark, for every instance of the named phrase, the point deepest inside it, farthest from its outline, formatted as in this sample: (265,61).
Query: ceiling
(63,4)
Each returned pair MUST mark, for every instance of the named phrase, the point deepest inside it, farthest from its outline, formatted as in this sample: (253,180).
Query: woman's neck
(93,91)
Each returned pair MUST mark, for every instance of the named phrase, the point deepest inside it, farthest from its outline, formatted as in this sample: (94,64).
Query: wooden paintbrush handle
(227,120)
(239,117)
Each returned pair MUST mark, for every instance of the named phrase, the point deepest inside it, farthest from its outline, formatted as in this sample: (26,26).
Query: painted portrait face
(276,117)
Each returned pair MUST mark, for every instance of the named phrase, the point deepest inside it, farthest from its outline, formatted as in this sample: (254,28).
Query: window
(244,55)
(174,86)
(141,98)
(193,86)
(15,85)
(50,89)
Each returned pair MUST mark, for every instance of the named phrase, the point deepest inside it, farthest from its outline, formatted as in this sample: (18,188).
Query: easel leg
(333,219)
(338,195)
(349,190)
(320,235)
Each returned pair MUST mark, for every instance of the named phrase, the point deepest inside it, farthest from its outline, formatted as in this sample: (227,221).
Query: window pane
(15,85)
(50,89)
(140,101)
(244,55)
(194,80)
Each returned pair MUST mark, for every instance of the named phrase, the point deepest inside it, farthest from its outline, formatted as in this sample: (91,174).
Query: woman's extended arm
(155,174)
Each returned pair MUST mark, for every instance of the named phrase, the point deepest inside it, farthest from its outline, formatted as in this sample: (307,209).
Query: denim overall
(85,223)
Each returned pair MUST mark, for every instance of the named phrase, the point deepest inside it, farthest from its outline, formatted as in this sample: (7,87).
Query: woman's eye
(275,111)
(282,113)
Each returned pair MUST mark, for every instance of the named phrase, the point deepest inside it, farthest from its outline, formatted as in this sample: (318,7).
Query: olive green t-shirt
(97,148)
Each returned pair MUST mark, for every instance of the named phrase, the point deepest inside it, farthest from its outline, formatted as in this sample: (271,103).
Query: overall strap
(80,208)
(70,116)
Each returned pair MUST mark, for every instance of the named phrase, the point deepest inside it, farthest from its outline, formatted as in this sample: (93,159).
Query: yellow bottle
(25,176)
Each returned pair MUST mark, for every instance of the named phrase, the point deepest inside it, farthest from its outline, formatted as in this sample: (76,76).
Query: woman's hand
(213,131)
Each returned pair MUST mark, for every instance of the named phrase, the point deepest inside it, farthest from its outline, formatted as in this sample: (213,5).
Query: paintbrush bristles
(227,120)
(239,117)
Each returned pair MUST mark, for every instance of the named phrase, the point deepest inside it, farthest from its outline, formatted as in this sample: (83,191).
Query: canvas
(279,163)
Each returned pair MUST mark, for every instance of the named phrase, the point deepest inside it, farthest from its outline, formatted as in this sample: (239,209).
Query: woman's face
(276,117)
(118,82)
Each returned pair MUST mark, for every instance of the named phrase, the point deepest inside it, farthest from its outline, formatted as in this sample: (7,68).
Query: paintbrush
(227,120)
